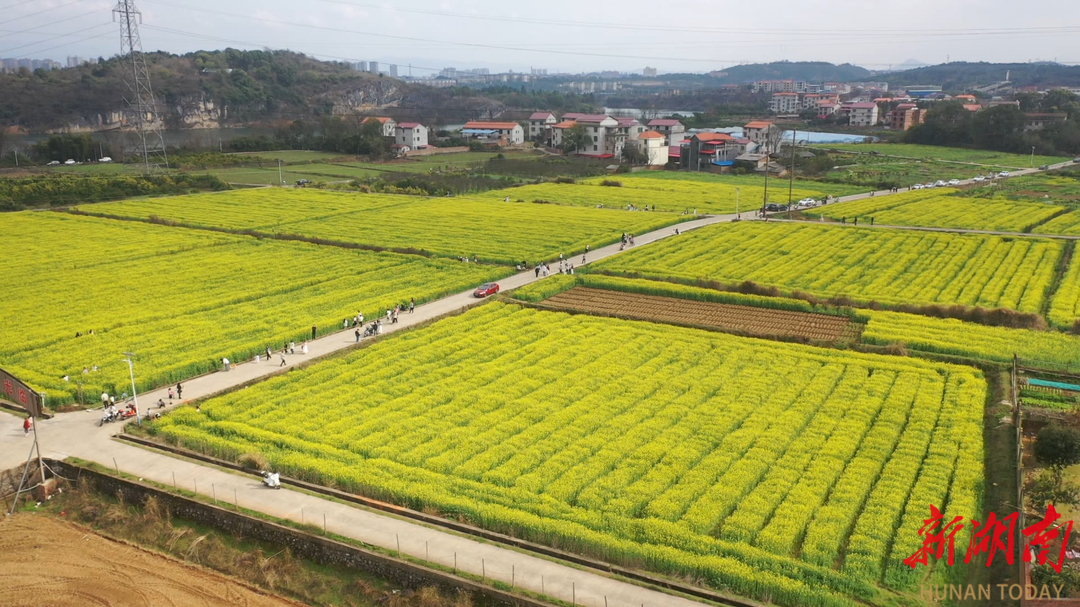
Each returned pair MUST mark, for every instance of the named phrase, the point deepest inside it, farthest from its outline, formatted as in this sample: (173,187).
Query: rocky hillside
(221,88)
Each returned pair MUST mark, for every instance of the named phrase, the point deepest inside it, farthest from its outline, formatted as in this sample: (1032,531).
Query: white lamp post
(134,396)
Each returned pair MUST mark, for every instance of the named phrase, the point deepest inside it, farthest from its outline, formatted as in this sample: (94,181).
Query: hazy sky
(563,35)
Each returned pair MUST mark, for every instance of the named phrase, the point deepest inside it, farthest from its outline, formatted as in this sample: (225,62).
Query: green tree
(575,138)
(946,124)
(1058,446)
(998,128)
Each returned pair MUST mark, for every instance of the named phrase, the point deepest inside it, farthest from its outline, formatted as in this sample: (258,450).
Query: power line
(8,50)
(34,14)
(654,28)
(4,8)
(50,24)
(42,50)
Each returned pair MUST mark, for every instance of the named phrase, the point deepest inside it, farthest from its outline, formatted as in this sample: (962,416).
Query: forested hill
(960,76)
(209,89)
(810,71)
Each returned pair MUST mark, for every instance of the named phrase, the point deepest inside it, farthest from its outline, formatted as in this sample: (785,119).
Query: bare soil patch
(51,562)
(750,320)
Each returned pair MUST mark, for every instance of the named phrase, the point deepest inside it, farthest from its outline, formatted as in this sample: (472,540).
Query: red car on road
(486,290)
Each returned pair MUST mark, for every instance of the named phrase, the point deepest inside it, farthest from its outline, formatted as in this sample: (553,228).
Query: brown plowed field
(744,319)
(51,562)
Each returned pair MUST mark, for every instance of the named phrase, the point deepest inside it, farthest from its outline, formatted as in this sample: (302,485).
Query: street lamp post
(737,214)
(1032,156)
(280,177)
(134,396)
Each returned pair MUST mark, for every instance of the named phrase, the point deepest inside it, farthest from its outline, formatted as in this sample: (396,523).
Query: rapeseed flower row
(862,264)
(487,228)
(641,443)
(182,300)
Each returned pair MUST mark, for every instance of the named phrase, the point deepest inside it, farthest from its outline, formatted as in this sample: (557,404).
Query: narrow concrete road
(79,435)
(1012,174)
(777,217)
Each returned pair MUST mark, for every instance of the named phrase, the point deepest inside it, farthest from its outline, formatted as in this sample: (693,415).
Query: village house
(905,116)
(540,124)
(388,124)
(652,146)
(501,133)
(708,152)
(784,103)
(672,130)
(410,136)
(756,131)
(606,143)
(862,114)
(1037,122)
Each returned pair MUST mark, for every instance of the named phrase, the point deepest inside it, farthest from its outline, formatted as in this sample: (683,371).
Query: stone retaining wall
(319,549)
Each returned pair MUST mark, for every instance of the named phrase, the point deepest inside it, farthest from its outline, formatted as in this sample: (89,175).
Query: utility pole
(791,173)
(142,108)
(1032,156)
(737,214)
(16,152)
(280,178)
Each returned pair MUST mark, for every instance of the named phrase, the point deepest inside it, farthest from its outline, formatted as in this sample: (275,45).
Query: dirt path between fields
(51,562)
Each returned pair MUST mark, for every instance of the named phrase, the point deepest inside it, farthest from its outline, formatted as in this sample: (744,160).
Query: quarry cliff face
(383,96)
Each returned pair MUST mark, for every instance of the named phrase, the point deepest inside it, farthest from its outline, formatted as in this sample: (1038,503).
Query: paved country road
(78,435)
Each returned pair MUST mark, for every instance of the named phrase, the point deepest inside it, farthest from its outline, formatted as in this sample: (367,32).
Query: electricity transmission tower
(142,109)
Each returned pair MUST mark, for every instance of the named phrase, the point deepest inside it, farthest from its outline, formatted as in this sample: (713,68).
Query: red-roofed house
(652,145)
(755,131)
(411,135)
(503,133)
(709,152)
(388,124)
(540,124)
(670,128)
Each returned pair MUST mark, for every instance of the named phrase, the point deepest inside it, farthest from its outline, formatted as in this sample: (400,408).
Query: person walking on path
(360,317)
(357,333)
(582,259)
(225,361)
(104,399)
(587,248)
(537,270)
(283,363)
(303,348)
(312,332)
(412,305)
(27,424)
(179,391)
(170,393)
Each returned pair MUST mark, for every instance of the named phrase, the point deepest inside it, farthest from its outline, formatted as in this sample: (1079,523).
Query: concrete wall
(305,545)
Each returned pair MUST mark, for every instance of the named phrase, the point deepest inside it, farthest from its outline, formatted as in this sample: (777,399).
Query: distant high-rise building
(360,66)
(393,70)
(74,61)
(373,67)
(650,72)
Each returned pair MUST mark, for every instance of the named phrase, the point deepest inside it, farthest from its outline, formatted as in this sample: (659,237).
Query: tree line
(1003,127)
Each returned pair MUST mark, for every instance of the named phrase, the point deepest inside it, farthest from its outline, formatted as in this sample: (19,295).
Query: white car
(954,182)
(1003,174)
(917,186)
(979,178)
(930,186)
(105,159)
(53,163)
(69,162)
(939,184)
(807,202)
